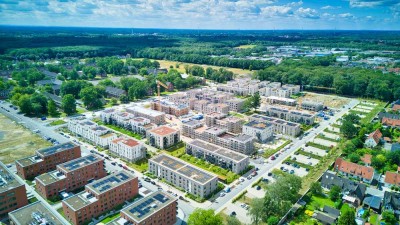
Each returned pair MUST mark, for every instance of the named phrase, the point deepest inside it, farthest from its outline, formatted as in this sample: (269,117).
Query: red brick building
(100,196)
(70,176)
(156,208)
(12,192)
(46,160)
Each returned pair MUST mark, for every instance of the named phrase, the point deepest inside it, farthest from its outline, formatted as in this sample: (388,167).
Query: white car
(222,194)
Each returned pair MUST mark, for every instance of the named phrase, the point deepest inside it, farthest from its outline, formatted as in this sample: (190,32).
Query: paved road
(221,202)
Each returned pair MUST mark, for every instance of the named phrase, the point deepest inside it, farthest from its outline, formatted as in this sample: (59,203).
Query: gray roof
(388,115)
(373,202)
(391,200)
(331,211)
(352,188)
(56,149)
(31,213)
(7,179)
(325,218)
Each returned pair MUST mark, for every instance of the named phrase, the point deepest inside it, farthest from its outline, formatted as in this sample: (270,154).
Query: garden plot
(334,129)
(330,135)
(324,142)
(305,160)
(315,151)
(362,110)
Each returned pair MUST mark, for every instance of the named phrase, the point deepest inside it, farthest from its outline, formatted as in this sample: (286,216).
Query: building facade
(312,106)
(128,148)
(179,173)
(46,160)
(290,115)
(70,176)
(279,126)
(153,115)
(163,137)
(261,131)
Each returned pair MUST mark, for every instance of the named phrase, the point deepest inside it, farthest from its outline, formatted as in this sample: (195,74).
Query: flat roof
(163,130)
(110,134)
(80,162)
(31,214)
(110,182)
(235,156)
(56,149)
(192,123)
(242,137)
(80,200)
(258,124)
(7,179)
(147,206)
(146,111)
(50,177)
(130,142)
(274,120)
(30,160)
(184,168)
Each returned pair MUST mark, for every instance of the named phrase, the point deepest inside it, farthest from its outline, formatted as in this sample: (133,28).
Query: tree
(91,97)
(316,188)
(389,217)
(256,210)
(354,157)
(25,104)
(256,100)
(334,193)
(52,108)
(68,104)
(378,161)
(347,218)
(273,220)
(232,220)
(348,129)
(204,217)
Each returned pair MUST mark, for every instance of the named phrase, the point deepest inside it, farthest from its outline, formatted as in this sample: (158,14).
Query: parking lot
(315,151)
(325,142)
(334,129)
(305,160)
(330,135)
(362,110)
(365,107)
(301,172)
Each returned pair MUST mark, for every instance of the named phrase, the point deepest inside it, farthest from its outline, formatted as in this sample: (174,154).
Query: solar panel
(161,198)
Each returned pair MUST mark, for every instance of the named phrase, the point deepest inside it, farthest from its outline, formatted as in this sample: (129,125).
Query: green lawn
(313,144)
(141,165)
(309,154)
(373,219)
(177,150)
(32,200)
(270,152)
(122,130)
(372,114)
(110,218)
(318,202)
(57,122)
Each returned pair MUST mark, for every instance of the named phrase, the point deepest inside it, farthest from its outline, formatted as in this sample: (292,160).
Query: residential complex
(12,192)
(153,115)
(280,101)
(261,131)
(279,126)
(231,124)
(35,213)
(278,90)
(156,208)
(236,104)
(290,115)
(222,157)
(100,196)
(163,137)
(46,160)
(127,148)
(353,170)
(170,108)
(92,132)
(243,86)
(70,176)
(183,175)
(312,106)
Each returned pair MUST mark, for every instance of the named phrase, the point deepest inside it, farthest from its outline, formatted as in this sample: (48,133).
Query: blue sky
(205,14)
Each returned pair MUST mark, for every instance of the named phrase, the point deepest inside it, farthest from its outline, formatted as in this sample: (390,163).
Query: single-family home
(391,202)
(373,139)
(392,179)
(396,105)
(367,159)
(327,216)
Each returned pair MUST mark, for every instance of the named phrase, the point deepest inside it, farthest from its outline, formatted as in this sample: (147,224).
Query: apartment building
(70,176)
(156,208)
(275,89)
(222,157)
(243,86)
(312,106)
(235,104)
(153,115)
(163,137)
(232,124)
(12,192)
(290,115)
(100,196)
(170,108)
(179,173)
(217,107)
(92,132)
(126,120)
(353,170)
(188,128)
(279,126)
(260,130)
(280,101)
(200,105)
(46,160)
(35,213)
(128,148)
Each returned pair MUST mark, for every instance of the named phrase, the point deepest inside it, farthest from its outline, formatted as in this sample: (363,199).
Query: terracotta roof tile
(376,135)
(355,169)
(163,130)
(390,122)
(366,158)
(392,178)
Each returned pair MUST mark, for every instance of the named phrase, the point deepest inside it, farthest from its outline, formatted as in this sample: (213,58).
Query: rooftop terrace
(50,177)
(163,130)
(80,200)
(258,124)
(34,214)
(147,206)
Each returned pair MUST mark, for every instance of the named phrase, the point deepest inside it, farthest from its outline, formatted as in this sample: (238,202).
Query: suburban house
(391,201)
(353,170)
(396,105)
(373,139)
(367,158)
(327,216)
(392,179)
(390,122)
(373,199)
(353,192)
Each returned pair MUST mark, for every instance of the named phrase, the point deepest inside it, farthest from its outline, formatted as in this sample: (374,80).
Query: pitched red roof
(392,178)
(376,135)
(391,122)
(355,169)
(366,158)
(396,107)
(163,130)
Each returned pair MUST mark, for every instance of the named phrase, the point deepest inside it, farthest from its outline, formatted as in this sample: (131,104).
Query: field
(331,101)
(14,142)
(181,69)
(246,46)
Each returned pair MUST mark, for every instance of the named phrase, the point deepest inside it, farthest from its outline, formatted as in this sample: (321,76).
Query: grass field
(57,122)
(17,142)
(181,69)
(246,46)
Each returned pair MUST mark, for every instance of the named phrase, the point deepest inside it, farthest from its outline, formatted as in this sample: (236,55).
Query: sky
(206,14)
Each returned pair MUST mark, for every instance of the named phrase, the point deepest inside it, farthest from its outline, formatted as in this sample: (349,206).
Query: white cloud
(346,15)
(271,11)
(307,13)
(330,7)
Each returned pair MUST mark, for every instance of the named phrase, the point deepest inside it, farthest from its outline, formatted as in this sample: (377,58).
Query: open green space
(57,122)
(177,150)
(110,218)
(300,151)
(122,130)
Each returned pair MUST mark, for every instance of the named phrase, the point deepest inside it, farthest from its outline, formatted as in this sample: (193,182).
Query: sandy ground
(331,101)
(17,142)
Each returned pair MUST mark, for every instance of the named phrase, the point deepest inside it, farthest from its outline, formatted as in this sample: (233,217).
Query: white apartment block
(275,89)
(217,107)
(179,173)
(312,106)
(163,137)
(128,148)
(290,115)
(235,104)
(222,157)
(279,126)
(153,115)
(244,86)
(261,131)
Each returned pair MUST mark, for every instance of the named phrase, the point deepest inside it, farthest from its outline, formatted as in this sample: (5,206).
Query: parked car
(269,174)
(258,188)
(233,213)
(222,194)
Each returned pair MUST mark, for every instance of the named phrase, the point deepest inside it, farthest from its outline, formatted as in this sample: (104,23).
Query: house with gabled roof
(353,170)
(373,139)
(392,179)
(391,202)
